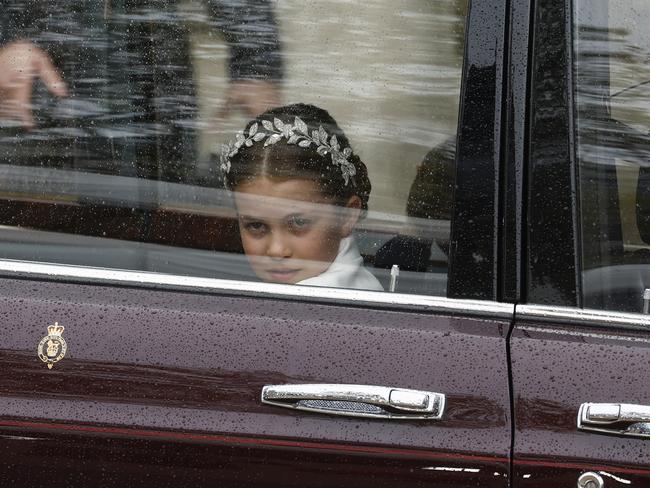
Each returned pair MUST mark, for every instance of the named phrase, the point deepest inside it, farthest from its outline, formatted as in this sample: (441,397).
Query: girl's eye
(299,223)
(255,227)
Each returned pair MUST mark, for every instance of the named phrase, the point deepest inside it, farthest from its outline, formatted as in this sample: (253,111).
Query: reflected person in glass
(108,86)
(299,191)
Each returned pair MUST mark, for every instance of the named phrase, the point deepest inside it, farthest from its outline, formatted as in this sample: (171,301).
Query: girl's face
(290,231)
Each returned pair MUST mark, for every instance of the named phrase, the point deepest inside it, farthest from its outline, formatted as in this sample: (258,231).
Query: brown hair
(290,161)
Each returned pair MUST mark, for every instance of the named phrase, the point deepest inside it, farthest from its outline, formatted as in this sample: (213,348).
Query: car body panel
(146,370)
(556,368)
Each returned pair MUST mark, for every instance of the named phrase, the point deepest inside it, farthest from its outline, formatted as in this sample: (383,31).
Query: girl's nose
(278,247)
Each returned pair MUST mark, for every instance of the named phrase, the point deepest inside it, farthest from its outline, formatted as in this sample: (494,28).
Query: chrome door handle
(357,400)
(615,418)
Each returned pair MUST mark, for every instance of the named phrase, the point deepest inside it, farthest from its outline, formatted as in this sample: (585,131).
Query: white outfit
(346,271)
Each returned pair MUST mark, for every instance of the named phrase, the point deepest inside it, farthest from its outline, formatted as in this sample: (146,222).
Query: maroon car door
(162,387)
(139,348)
(581,400)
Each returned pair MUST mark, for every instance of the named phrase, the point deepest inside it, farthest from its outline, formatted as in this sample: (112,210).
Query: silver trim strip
(371,299)
(567,315)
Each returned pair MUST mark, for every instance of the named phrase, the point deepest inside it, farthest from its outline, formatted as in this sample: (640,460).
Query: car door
(579,348)
(139,349)
(164,387)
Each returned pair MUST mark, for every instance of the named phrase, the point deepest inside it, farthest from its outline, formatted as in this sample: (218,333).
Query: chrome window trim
(579,316)
(337,296)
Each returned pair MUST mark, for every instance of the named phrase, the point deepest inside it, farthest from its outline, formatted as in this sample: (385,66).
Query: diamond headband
(298,133)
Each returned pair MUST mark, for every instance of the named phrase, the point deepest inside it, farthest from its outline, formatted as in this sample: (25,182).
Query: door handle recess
(357,401)
(615,418)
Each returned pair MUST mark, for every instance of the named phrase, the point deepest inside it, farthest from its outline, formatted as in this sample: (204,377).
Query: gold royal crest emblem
(52,347)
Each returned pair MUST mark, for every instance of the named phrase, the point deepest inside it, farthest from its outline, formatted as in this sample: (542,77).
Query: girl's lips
(282,274)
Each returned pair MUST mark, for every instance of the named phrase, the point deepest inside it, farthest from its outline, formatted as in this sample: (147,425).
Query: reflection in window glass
(113,115)
(613,106)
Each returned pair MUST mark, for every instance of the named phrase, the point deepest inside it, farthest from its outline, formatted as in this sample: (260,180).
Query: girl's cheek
(302,232)
(251,242)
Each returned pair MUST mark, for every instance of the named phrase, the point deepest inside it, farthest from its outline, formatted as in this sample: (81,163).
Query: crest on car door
(52,347)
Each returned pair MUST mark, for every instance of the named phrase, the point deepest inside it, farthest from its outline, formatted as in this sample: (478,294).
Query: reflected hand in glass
(21,64)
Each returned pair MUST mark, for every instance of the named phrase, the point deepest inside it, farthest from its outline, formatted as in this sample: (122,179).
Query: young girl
(299,192)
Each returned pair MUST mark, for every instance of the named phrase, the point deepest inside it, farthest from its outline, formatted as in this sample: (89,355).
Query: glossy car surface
(162,381)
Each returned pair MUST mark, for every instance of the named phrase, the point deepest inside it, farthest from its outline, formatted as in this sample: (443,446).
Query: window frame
(552,250)
(475,228)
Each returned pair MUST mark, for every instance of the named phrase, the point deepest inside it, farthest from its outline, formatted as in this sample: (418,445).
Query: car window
(612,50)
(129,132)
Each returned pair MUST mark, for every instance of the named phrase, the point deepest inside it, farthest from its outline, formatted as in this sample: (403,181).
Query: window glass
(612,47)
(292,142)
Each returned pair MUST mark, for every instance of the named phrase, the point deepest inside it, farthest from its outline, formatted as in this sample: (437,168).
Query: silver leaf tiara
(298,134)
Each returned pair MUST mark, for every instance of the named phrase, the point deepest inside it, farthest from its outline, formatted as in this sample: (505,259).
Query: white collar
(346,271)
